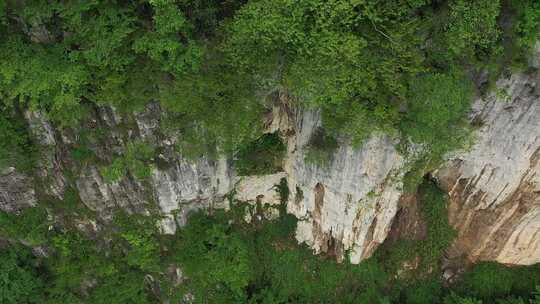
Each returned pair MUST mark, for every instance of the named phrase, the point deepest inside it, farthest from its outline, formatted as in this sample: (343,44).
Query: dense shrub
(135,160)
(226,260)
(16,147)
(262,156)
(488,281)
(423,255)
(525,32)
(472,28)
(436,119)
(397,67)
(30,225)
(20,282)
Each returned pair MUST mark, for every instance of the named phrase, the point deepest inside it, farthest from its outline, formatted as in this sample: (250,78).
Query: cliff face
(346,205)
(494,188)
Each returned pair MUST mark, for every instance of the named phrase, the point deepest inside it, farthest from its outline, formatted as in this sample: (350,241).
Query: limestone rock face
(190,185)
(177,186)
(128,193)
(260,188)
(50,162)
(494,188)
(16,191)
(349,203)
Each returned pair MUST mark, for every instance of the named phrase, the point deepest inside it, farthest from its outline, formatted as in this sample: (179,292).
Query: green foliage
(262,156)
(212,109)
(213,256)
(163,45)
(30,225)
(489,281)
(439,232)
(20,282)
(135,160)
(123,287)
(456,299)
(527,23)
(429,251)
(140,233)
(472,27)
(437,104)
(349,59)
(76,261)
(225,260)
(423,292)
(16,148)
(367,66)
(436,119)
(211,63)
(80,265)
(82,154)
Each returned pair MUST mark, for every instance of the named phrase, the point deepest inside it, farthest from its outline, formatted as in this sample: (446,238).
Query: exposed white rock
(348,204)
(259,188)
(190,185)
(99,196)
(49,165)
(494,197)
(16,191)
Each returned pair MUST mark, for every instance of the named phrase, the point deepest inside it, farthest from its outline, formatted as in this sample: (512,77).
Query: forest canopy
(210,63)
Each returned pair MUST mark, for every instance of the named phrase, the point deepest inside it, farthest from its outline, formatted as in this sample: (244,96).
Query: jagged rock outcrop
(494,188)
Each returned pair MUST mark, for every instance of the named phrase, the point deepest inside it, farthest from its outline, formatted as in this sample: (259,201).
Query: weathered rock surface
(190,185)
(349,203)
(260,188)
(49,167)
(495,187)
(16,191)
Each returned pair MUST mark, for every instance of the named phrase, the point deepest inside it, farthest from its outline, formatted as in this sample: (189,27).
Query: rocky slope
(494,188)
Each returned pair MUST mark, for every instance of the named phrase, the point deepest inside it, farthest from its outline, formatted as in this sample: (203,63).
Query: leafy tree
(528,21)
(436,119)
(164,43)
(217,261)
(456,299)
(140,233)
(262,156)
(324,53)
(472,27)
(124,287)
